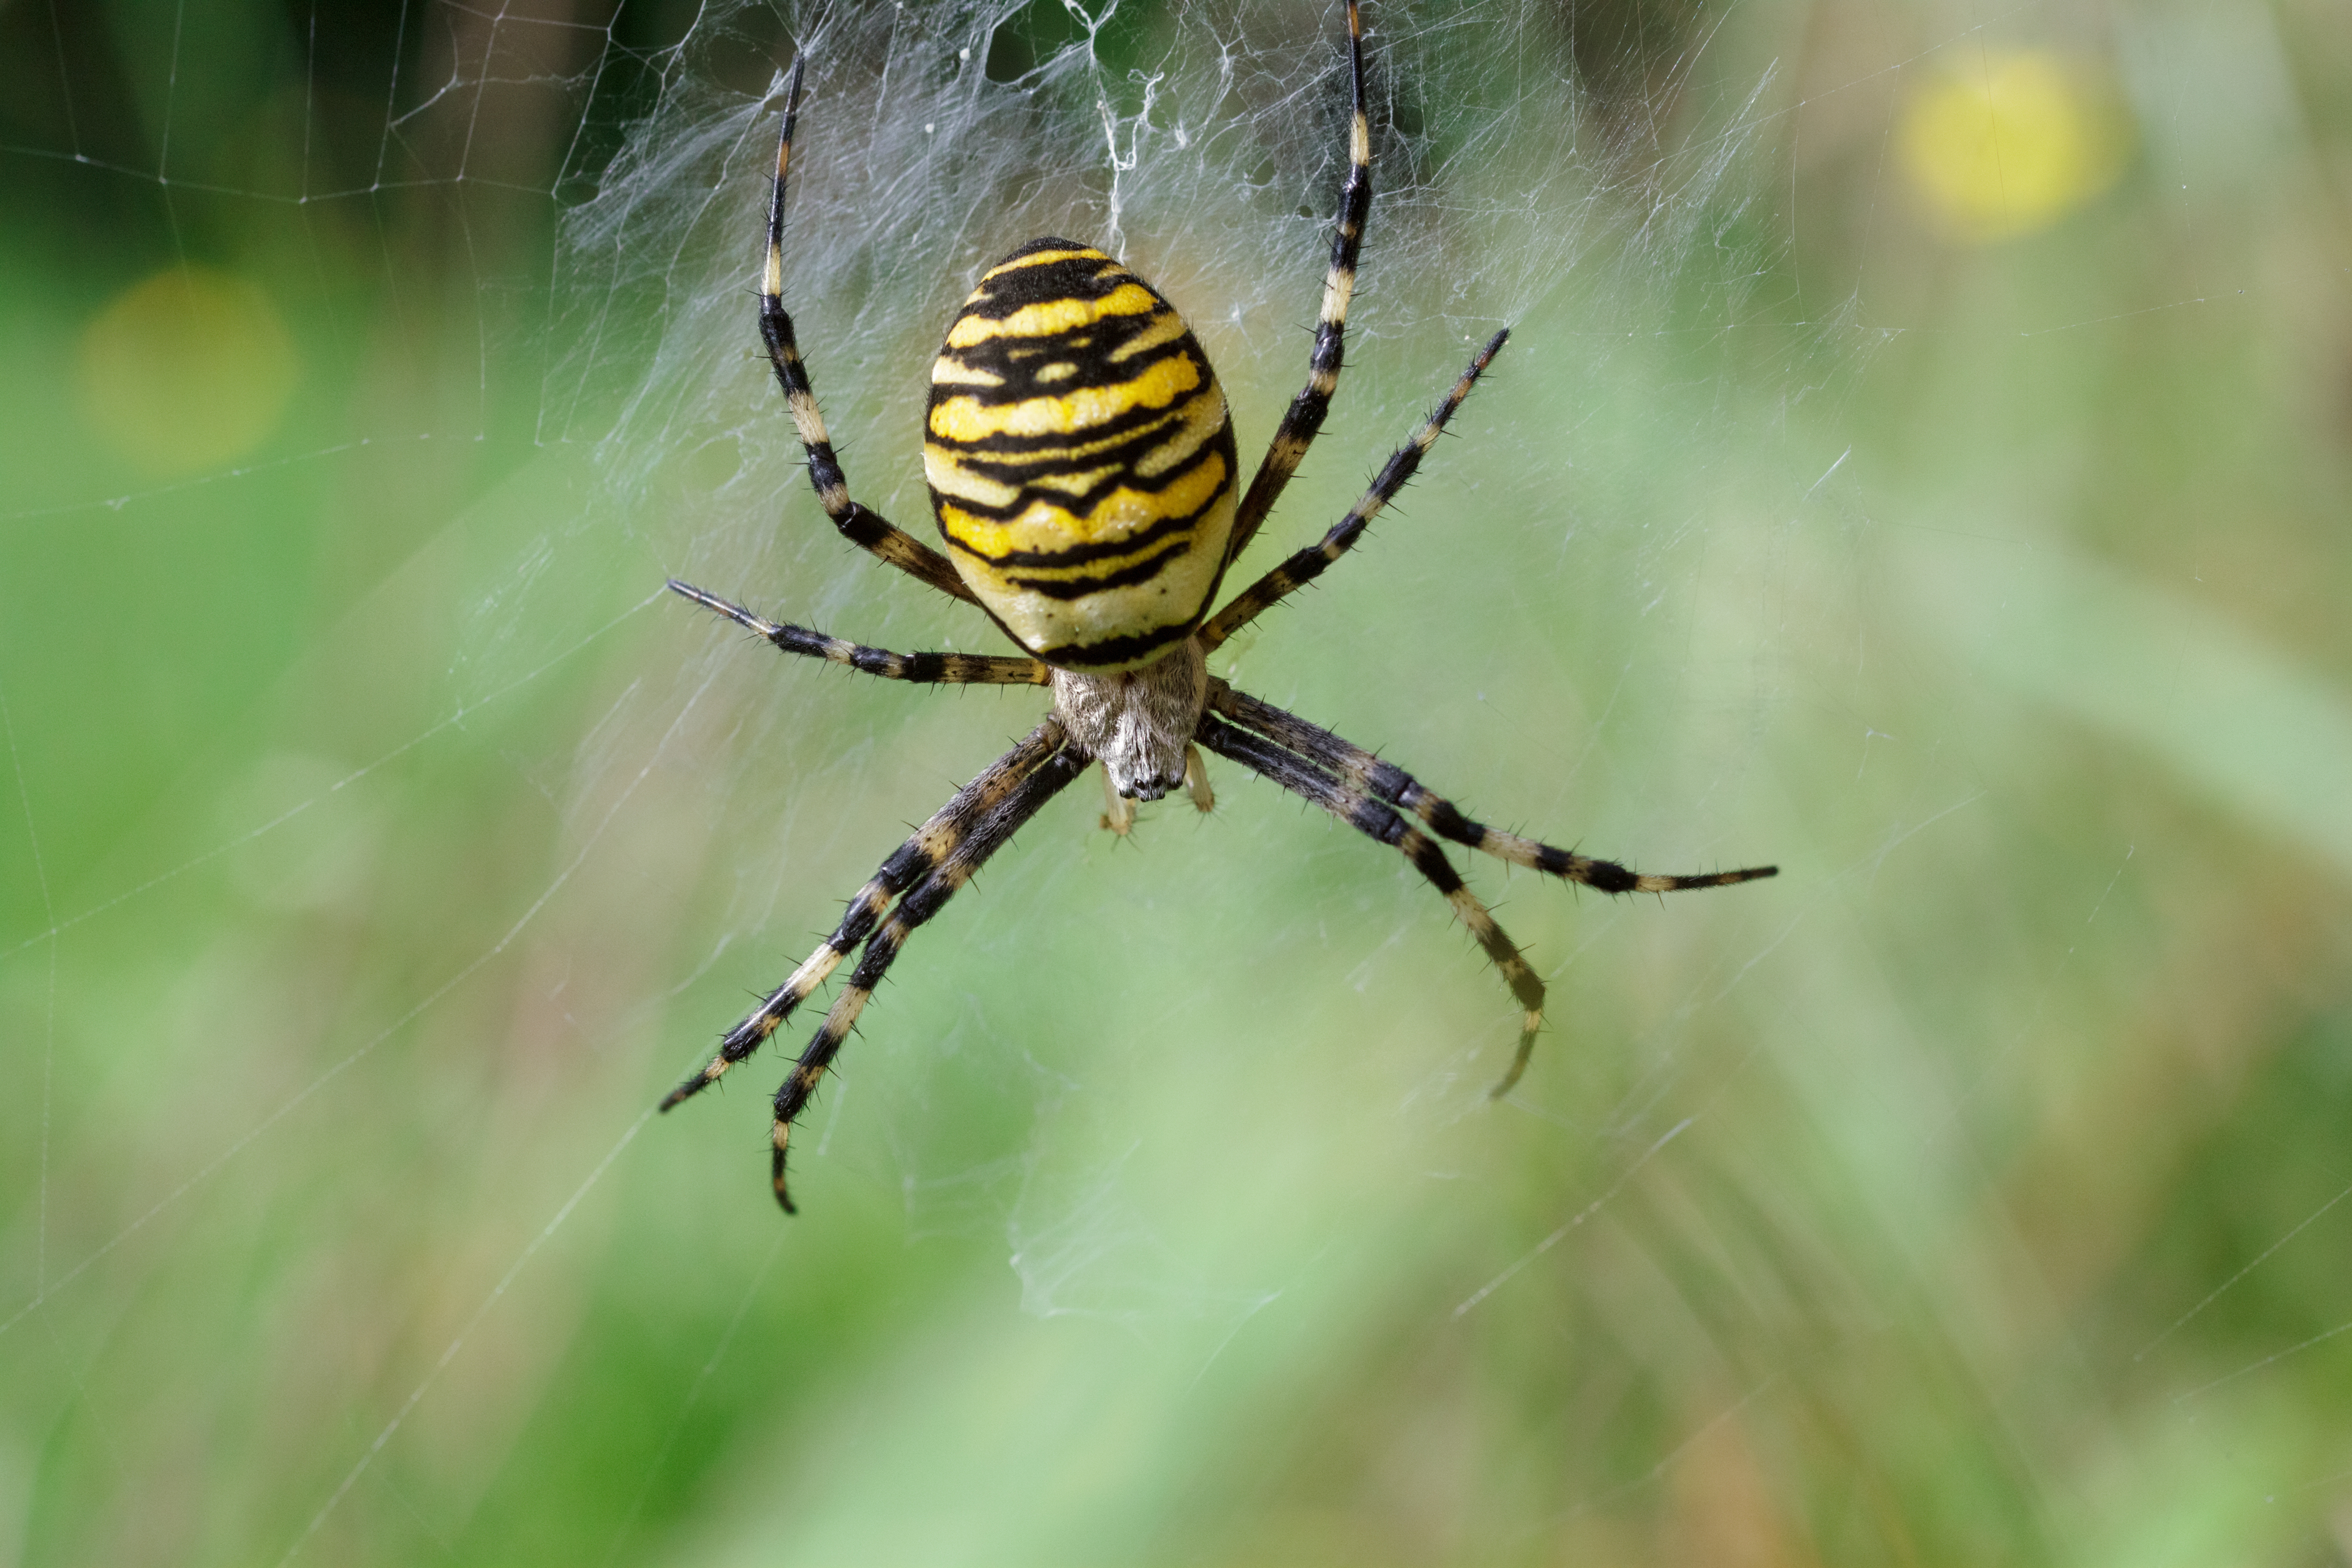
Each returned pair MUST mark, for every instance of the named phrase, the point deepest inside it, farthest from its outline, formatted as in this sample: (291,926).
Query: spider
(1082,466)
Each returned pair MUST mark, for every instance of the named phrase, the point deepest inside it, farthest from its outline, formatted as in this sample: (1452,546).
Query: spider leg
(1378,820)
(862,526)
(1305,416)
(1119,811)
(919,856)
(997,822)
(1361,771)
(1196,780)
(1308,564)
(941,668)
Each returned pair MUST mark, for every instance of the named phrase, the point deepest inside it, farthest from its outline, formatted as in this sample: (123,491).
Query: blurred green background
(1930,475)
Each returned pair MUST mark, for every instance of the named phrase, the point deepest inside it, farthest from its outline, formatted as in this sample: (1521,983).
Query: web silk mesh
(1202,143)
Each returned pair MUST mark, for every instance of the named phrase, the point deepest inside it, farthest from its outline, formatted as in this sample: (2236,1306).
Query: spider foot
(1519,1058)
(776,1168)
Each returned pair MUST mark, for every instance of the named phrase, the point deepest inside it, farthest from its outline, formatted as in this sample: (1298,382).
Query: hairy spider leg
(1376,819)
(862,526)
(997,822)
(1307,411)
(937,668)
(1310,564)
(1359,769)
(1196,780)
(918,857)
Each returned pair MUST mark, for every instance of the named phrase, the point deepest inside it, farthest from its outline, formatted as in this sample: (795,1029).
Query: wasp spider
(1082,468)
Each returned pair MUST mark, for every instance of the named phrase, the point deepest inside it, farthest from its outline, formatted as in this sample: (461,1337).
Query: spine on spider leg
(921,669)
(1405,461)
(800,1084)
(1308,411)
(932,845)
(1313,403)
(775,326)
(1359,769)
(776,330)
(1345,799)
(997,821)
(1310,564)
(857,523)
(912,860)
(1347,237)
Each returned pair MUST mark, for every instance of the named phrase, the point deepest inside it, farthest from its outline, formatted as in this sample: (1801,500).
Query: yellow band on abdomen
(1081,459)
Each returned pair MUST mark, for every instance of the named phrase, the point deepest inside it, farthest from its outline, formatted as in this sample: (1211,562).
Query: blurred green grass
(378,843)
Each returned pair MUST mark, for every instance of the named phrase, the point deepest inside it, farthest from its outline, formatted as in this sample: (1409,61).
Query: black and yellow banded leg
(923,900)
(919,856)
(1362,771)
(1378,820)
(939,668)
(1308,564)
(1307,411)
(863,527)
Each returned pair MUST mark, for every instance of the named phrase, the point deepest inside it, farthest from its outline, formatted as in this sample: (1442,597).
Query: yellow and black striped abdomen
(1081,459)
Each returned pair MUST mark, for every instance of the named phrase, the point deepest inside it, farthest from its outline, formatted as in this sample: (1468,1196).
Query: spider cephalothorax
(1082,468)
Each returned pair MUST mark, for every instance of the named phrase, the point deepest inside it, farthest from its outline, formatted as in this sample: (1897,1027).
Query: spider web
(1966,1192)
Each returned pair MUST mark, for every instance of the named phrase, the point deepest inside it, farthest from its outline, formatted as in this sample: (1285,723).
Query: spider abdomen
(1081,459)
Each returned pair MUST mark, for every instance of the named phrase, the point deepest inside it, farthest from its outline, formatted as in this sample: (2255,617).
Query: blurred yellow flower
(2011,145)
(186,370)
